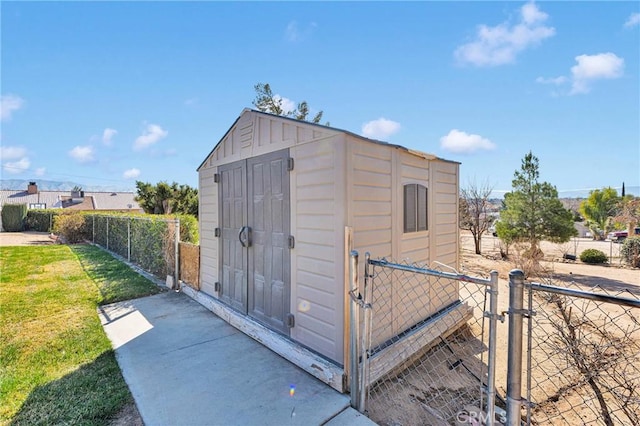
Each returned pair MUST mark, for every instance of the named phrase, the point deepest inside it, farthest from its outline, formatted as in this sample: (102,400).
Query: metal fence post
(93,230)
(610,252)
(366,336)
(514,356)
(107,232)
(493,322)
(129,240)
(176,284)
(354,341)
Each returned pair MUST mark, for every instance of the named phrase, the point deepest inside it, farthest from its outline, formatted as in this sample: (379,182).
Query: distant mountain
(576,193)
(584,193)
(51,185)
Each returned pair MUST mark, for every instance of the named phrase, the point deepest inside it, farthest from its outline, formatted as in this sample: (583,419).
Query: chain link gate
(423,344)
(423,349)
(582,354)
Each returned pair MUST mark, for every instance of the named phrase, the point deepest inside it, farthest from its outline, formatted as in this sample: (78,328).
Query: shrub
(630,251)
(13,217)
(593,256)
(41,220)
(189,229)
(72,227)
(147,240)
(150,244)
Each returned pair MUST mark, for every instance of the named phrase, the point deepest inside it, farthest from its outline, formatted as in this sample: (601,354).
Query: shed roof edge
(333,129)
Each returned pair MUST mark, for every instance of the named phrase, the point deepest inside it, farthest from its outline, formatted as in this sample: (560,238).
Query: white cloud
(9,104)
(460,142)
(287,104)
(131,173)
(291,32)
(294,33)
(82,154)
(532,15)
(594,67)
(151,135)
(499,45)
(40,171)
(107,135)
(11,152)
(380,128)
(17,167)
(191,102)
(633,20)
(552,80)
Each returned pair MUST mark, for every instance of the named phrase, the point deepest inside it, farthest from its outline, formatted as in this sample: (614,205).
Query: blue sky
(108,93)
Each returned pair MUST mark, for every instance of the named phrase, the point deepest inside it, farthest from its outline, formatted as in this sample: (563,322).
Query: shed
(279,198)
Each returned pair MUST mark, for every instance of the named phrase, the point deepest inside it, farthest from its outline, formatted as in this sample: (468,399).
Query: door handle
(240,235)
(244,236)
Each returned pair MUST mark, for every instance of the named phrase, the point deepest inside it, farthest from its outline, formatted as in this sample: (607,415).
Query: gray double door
(255,256)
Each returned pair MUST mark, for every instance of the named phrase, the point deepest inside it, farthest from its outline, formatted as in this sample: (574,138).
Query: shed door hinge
(216,177)
(217,287)
(291,241)
(289,164)
(291,320)
(216,232)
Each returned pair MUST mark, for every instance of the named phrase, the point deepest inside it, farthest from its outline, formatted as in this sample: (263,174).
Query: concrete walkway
(186,366)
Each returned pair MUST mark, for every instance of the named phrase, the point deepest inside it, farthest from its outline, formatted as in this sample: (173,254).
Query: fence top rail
(426,271)
(148,219)
(623,301)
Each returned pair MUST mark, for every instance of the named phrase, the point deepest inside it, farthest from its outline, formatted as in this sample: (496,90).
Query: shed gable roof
(242,125)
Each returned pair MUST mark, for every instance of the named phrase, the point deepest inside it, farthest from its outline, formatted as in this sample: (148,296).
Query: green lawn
(56,363)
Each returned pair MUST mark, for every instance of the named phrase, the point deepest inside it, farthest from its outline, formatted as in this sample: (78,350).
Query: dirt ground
(614,276)
(128,416)
(410,398)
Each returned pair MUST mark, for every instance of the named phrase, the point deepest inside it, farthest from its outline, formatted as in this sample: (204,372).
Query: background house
(73,200)
(279,198)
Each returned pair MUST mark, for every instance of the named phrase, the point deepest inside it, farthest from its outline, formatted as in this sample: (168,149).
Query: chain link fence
(428,353)
(189,255)
(582,356)
(150,243)
(428,345)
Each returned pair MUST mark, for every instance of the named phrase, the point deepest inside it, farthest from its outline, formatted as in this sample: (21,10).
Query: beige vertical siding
(317,223)
(414,246)
(370,175)
(445,234)
(341,180)
(412,303)
(378,174)
(446,207)
(371,178)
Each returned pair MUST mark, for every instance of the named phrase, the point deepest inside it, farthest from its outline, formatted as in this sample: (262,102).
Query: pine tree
(266,101)
(532,211)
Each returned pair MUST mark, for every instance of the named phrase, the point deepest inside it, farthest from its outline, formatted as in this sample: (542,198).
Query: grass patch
(56,363)
(116,281)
